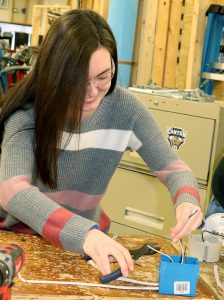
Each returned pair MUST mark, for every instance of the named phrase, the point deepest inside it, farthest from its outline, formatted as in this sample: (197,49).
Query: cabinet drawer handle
(144,218)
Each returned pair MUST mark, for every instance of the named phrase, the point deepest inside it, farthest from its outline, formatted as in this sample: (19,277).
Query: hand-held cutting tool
(146,249)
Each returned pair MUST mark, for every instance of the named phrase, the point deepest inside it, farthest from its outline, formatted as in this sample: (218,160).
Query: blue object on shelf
(178,278)
(212,42)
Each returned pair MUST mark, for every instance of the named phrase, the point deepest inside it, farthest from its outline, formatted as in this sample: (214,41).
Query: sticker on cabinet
(176,137)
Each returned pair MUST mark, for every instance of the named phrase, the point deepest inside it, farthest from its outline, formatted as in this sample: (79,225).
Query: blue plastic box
(178,278)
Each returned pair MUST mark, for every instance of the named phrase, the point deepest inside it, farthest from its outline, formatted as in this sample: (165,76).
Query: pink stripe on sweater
(186,190)
(11,187)
(104,221)
(75,199)
(177,165)
(54,225)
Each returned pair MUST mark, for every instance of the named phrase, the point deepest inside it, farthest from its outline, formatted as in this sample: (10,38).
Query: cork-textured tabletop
(44,261)
(207,273)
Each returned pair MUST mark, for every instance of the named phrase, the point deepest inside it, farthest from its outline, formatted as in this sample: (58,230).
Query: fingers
(103,263)
(101,247)
(119,257)
(124,259)
(189,217)
(185,228)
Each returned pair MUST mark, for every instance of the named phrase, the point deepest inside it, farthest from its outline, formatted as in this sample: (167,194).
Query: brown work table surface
(207,273)
(46,262)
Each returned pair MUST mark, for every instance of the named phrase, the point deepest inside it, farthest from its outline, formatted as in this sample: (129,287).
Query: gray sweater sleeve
(24,201)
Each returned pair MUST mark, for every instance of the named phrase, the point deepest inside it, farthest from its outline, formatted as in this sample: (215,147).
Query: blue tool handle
(87,257)
(110,277)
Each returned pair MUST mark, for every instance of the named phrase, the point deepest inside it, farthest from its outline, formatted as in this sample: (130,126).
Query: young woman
(64,129)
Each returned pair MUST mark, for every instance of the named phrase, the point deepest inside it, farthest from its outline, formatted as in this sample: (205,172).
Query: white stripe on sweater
(110,139)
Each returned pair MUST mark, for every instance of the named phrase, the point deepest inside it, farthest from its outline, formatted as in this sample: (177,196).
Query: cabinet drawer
(195,135)
(197,141)
(140,201)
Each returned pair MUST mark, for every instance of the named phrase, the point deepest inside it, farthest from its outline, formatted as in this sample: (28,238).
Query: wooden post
(184,42)
(101,6)
(173,44)
(137,44)
(147,38)
(87,4)
(196,43)
(35,25)
(159,53)
(73,4)
(27,11)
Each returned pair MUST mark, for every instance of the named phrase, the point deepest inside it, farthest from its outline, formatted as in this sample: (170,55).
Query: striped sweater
(85,166)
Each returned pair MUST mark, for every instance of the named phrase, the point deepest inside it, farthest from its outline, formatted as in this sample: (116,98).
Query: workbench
(44,261)
(207,273)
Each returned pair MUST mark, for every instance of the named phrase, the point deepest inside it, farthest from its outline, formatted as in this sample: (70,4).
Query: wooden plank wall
(101,6)
(170,47)
(168,53)
(168,41)
(40,22)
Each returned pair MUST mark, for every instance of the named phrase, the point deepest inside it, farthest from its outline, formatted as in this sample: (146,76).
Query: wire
(154,234)
(122,287)
(211,232)
(193,213)
(181,251)
(170,258)
(138,281)
(158,251)
(93,264)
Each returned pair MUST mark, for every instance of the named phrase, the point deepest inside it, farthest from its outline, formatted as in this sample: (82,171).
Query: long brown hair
(57,83)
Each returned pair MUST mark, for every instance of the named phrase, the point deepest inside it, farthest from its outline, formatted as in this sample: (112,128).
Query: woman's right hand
(100,247)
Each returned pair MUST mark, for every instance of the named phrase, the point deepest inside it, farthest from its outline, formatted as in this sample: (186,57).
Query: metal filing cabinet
(136,201)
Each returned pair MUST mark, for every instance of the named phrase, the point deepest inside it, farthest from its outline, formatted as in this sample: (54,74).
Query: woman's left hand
(189,218)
